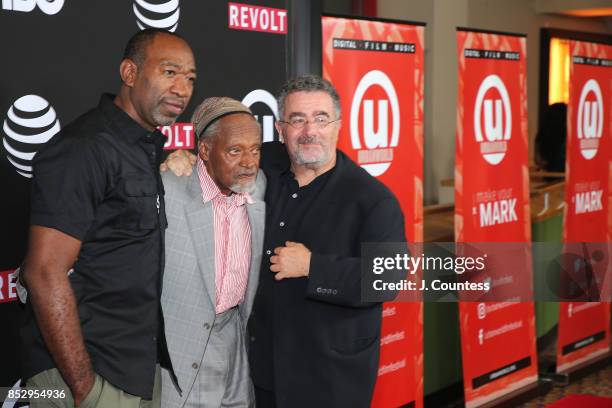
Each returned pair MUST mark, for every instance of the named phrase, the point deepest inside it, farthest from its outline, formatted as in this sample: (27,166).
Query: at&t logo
(49,7)
(164,15)
(496,122)
(269,114)
(376,153)
(29,123)
(590,119)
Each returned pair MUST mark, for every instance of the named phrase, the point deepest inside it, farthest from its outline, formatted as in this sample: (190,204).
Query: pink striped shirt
(232,241)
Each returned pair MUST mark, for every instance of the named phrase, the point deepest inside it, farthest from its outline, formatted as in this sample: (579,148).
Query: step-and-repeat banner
(584,328)
(377,67)
(492,205)
(61,55)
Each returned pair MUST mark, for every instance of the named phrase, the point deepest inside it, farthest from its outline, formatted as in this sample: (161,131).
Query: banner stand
(377,66)
(492,140)
(583,369)
(584,326)
(521,396)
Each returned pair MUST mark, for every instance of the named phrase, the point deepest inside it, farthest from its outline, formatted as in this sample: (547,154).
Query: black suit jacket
(325,339)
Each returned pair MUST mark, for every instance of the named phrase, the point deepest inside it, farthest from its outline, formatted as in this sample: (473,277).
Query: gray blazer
(188,295)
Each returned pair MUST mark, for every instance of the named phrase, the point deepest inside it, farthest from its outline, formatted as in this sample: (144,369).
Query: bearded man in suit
(213,253)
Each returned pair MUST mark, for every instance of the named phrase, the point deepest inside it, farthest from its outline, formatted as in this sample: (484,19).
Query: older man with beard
(213,253)
(309,324)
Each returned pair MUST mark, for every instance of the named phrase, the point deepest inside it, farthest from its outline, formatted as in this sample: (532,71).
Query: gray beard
(311,162)
(238,188)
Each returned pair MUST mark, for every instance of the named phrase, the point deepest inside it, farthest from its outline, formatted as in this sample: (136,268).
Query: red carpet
(582,401)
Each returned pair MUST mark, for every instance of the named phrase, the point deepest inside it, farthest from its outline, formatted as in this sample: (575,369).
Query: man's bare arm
(50,255)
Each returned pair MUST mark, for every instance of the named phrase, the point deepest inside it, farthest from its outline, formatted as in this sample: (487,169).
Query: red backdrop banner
(492,205)
(584,328)
(377,68)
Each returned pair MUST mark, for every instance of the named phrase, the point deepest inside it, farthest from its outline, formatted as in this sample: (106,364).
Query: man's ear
(278,127)
(204,150)
(128,70)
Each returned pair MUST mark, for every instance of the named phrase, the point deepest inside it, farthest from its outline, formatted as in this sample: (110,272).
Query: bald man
(98,209)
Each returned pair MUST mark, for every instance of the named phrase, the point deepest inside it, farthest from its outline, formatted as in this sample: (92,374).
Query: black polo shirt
(98,181)
(287,206)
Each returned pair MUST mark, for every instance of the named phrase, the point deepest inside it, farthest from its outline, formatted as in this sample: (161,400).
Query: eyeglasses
(320,122)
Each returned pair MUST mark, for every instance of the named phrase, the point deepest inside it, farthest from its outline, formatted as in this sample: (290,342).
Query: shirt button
(282,223)
(268,252)
(195,366)
(154,338)
(294,195)
(252,338)
(206,326)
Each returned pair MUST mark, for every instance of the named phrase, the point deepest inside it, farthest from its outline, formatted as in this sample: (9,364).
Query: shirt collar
(126,126)
(210,190)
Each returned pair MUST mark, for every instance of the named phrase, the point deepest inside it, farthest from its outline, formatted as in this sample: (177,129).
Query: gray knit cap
(214,108)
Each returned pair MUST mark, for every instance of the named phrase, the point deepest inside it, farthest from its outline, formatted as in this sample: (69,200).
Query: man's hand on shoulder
(179,162)
(290,261)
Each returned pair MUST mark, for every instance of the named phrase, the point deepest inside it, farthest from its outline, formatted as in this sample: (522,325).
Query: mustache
(307,139)
(245,174)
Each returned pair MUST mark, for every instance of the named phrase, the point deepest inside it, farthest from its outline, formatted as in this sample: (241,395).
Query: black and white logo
(164,14)
(30,122)
(257,99)
(49,7)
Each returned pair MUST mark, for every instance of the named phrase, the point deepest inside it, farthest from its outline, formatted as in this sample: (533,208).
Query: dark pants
(264,398)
